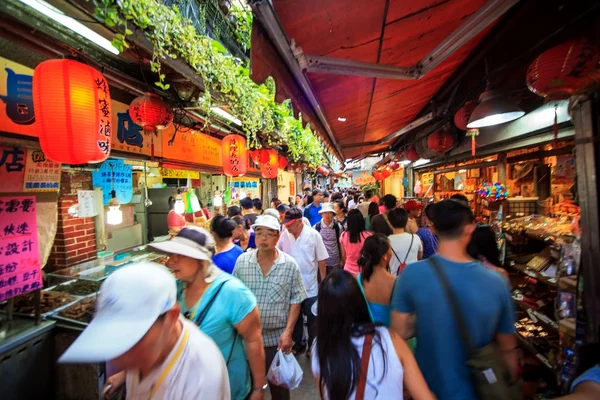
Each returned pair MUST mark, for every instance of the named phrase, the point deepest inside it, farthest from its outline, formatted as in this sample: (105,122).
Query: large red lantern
(269,163)
(410,154)
(282,162)
(461,118)
(440,141)
(377,175)
(73,112)
(151,112)
(255,156)
(386,173)
(235,155)
(563,70)
(394,165)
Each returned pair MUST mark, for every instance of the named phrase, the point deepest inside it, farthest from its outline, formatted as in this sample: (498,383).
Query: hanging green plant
(254,105)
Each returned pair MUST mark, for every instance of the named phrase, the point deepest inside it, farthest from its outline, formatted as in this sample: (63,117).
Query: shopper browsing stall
(139,328)
(222,306)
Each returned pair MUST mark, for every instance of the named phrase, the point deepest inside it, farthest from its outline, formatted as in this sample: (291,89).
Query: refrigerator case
(156,214)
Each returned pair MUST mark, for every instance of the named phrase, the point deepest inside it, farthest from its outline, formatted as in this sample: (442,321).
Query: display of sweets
(78,288)
(49,301)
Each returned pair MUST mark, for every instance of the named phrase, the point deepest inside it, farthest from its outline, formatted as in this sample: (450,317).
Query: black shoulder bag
(490,375)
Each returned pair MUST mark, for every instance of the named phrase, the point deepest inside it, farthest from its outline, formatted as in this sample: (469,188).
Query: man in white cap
(139,328)
(330,231)
(274,278)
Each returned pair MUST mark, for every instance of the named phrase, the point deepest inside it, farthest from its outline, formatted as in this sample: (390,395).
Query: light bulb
(179,205)
(114,216)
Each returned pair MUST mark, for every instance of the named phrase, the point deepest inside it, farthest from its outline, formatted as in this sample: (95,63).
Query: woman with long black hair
(483,247)
(346,335)
(352,241)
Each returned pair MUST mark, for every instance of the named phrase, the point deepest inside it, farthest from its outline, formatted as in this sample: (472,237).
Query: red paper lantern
(440,141)
(461,118)
(73,112)
(377,175)
(410,154)
(350,174)
(394,165)
(336,181)
(235,155)
(255,156)
(151,112)
(323,170)
(386,173)
(282,162)
(269,164)
(563,70)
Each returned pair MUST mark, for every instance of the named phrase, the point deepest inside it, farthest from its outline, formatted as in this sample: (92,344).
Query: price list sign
(19,250)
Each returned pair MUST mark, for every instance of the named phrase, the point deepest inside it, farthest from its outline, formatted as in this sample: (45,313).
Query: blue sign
(117,174)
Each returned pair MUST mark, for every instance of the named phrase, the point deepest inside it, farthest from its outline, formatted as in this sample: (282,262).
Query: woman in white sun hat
(222,306)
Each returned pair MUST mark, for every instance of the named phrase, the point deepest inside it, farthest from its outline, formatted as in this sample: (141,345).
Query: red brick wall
(75,240)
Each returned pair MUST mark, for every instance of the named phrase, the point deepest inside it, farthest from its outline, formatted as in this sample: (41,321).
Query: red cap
(413,205)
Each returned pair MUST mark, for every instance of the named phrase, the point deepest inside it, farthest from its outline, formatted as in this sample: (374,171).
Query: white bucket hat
(191,241)
(326,207)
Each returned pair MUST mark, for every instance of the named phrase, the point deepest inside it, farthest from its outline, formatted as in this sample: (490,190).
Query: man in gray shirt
(330,231)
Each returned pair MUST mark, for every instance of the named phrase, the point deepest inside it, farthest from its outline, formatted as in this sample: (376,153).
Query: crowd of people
(378,296)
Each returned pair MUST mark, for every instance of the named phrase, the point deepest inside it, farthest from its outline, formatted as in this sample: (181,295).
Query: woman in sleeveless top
(343,325)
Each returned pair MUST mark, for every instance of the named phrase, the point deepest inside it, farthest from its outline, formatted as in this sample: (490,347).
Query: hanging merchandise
(473,133)
(282,162)
(440,141)
(563,70)
(492,191)
(461,118)
(179,205)
(235,155)
(418,187)
(73,112)
(268,167)
(151,112)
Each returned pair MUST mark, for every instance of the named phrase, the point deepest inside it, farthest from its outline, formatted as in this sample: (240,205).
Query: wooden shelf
(527,345)
(551,282)
(542,319)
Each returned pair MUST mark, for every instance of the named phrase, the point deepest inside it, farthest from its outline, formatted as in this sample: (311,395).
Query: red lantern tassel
(152,146)
(555,126)
(473,144)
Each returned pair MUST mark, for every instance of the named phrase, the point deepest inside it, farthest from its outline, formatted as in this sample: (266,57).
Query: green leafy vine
(254,105)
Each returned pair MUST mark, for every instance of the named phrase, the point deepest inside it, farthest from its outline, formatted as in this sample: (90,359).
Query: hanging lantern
(73,112)
(151,112)
(350,174)
(440,141)
(235,155)
(336,181)
(377,175)
(461,118)
(282,162)
(322,170)
(386,173)
(394,165)
(563,70)
(410,154)
(268,167)
(255,156)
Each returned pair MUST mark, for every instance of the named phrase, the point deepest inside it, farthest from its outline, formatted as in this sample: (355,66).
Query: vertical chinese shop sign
(19,250)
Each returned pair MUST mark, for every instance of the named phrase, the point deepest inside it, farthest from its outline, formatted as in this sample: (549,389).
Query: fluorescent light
(222,113)
(494,109)
(405,162)
(421,161)
(460,171)
(68,22)
(490,160)
(342,119)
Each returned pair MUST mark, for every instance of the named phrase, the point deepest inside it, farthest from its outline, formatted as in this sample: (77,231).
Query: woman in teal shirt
(222,306)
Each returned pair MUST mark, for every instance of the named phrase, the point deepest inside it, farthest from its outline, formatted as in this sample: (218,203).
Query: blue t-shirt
(485,301)
(592,374)
(430,242)
(232,304)
(226,260)
(251,242)
(312,213)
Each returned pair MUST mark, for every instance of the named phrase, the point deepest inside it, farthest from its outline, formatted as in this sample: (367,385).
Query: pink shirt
(352,251)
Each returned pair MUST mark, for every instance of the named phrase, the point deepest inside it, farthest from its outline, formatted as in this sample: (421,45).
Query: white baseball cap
(130,301)
(266,221)
(326,207)
(191,241)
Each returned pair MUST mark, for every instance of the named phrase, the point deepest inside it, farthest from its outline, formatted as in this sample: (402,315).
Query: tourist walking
(274,278)
(242,235)
(413,208)
(422,307)
(407,247)
(430,242)
(206,295)
(364,206)
(248,210)
(226,252)
(352,241)
(340,213)
(306,246)
(330,231)
(311,212)
(354,358)
(373,210)
(380,223)
(138,327)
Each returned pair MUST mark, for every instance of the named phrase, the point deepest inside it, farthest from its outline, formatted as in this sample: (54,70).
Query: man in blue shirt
(421,307)
(312,210)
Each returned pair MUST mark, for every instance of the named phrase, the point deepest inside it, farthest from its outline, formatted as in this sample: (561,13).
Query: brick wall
(75,240)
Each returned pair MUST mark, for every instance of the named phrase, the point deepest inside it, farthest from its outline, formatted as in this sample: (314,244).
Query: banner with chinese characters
(16,99)
(132,138)
(179,173)
(12,169)
(363,177)
(41,174)
(114,174)
(19,249)
(193,147)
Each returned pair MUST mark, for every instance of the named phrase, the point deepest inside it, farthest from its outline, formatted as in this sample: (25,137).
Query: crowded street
(299,199)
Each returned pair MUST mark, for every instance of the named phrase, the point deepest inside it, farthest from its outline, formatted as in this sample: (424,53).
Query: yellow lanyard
(166,371)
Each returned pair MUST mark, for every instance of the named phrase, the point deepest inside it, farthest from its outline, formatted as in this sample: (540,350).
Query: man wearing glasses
(306,246)
(274,278)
